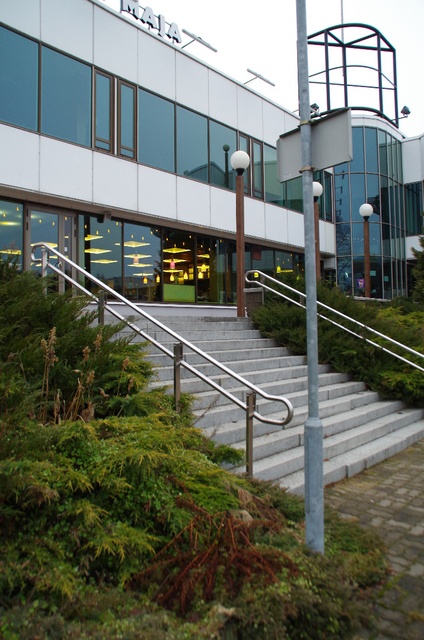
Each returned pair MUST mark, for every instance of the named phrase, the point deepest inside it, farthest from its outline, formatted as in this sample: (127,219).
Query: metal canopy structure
(357,59)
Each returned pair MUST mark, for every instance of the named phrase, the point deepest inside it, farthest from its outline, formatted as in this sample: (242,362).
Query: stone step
(356,460)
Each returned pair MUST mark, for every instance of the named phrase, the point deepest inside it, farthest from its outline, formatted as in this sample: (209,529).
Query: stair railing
(249,406)
(258,278)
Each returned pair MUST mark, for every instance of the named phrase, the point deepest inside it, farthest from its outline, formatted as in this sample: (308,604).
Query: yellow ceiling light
(176,250)
(139,265)
(104,261)
(11,252)
(172,270)
(97,250)
(139,255)
(174,260)
(206,256)
(135,243)
(9,223)
(91,236)
(53,245)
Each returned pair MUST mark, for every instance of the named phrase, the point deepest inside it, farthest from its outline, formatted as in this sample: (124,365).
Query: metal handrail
(46,249)
(258,278)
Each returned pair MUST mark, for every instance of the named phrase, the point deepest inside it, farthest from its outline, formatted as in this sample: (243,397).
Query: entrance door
(56,229)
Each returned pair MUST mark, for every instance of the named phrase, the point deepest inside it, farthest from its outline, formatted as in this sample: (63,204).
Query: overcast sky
(262,36)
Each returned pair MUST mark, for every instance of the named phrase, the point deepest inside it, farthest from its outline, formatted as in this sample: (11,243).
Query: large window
(414,208)
(65,98)
(222,146)
(273,188)
(192,144)
(142,263)
(18,80)
(156,131)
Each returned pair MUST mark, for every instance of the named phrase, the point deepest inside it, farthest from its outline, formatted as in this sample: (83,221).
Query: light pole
(240,161)
(317,191)
(366,211)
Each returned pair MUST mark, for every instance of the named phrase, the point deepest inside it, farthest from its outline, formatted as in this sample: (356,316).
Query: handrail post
(178,356)
(44,261)
(101,308)
(250,410)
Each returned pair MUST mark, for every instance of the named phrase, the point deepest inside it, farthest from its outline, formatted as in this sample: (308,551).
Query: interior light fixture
(172,278)
(176,250)
(91,236)
(104,261)
(135,243)
(97,250)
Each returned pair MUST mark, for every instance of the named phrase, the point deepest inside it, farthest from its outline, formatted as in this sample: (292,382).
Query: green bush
(117,520)
(401,320)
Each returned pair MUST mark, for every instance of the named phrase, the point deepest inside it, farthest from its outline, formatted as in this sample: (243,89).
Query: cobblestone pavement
(389,498)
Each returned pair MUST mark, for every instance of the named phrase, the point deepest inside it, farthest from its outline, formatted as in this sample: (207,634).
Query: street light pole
(314,443)
(240,161)
(317,191)
(366,211)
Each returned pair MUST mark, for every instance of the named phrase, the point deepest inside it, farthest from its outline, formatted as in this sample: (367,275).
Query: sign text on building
(146,16)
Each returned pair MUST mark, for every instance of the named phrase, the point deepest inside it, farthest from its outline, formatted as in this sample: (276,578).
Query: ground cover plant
(401,319)
(117,518)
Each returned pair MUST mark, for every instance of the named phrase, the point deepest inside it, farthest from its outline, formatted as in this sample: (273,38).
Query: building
(116,147)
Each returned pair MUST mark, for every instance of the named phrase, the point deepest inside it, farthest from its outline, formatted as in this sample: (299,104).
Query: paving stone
(389,499)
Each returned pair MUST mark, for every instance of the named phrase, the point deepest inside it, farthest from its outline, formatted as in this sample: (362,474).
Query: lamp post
(317,191)
(240,161)
(366,211)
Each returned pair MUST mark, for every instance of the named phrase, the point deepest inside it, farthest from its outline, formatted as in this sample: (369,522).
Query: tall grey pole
(314,481)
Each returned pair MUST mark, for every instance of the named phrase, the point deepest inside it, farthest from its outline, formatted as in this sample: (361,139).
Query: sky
(262,36)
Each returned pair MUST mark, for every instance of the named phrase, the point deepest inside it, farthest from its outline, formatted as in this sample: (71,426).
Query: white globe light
(317,189)
(240,160)
(366,210)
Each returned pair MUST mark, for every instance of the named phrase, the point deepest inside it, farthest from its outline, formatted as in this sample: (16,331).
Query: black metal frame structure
(351,38)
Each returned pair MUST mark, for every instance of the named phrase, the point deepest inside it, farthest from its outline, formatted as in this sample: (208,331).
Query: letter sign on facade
(154,22)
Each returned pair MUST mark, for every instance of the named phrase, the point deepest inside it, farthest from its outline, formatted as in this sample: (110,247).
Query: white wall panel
(295,230)
(222,99)
(19,160)
(254,218)
(65,170)
(156,65)
(119,56)
(23,15)
(193,202)
(250,113)
(276,224)
(223,210)
(114,182)
(192,84)
(327,237)
(68,26)
(157,193)
(274,123)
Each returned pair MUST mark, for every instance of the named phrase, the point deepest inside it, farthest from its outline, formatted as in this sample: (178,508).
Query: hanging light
(158,278)
(136,259)
(172,264)
(185,275)
(172,278)
(145,281)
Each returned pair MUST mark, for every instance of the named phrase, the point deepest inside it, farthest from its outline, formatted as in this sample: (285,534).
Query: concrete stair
(359,428)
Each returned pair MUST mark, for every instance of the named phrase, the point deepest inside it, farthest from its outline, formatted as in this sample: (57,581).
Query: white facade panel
(65,170)
(250,113)
(157,193)
(276,223)
(19,167)
(68,26)
(413,159)
(296,230)
(223,210)
(114,182)
(192,84)
(119,57)
(254,218)
(193,202)
(327,237)
(156,65)
(274,123)
(24,15)
(223,99)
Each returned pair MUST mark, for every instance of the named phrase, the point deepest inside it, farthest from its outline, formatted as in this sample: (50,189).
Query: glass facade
(373,176)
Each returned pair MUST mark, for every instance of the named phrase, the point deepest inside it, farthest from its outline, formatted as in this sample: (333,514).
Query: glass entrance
(56,229)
